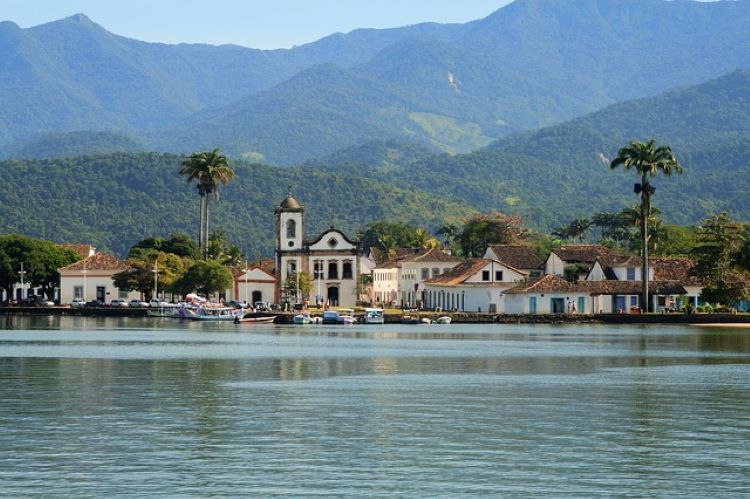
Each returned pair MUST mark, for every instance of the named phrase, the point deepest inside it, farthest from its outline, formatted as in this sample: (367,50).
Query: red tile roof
(674,269)
(517,256)
(83,250)
(422,255)
(586,253)
(99,261)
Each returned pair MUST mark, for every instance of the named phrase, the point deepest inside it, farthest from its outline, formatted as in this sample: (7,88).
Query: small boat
(330,317)
(409,319)
(346,316)
(302,319)
(254,319)
(374,316)
(214,314)
(425,320)
(171,311)
(443,320)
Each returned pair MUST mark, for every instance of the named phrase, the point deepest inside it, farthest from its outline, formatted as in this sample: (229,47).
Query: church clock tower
(289,240)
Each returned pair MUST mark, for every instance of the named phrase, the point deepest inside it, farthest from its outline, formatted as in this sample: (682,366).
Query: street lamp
(22,273)
(84,279)
(156,279)
(246,270)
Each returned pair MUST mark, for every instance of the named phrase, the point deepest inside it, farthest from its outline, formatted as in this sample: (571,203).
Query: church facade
(330,259)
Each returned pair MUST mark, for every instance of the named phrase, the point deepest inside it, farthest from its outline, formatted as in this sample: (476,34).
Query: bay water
(123,406)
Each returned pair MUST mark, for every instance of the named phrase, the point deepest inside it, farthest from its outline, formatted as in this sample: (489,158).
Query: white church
(331,259)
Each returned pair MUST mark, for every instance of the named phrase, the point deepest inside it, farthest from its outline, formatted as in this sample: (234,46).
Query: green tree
(648,160)
(208,170)
(718,264)
(219,248)
(41,261)
(424,240)
(396,235)
(480,230)
(206,277)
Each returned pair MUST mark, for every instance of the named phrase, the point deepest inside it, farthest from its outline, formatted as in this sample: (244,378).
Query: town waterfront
(95,406)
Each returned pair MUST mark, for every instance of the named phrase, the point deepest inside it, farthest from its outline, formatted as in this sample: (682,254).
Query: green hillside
(73,144)
(113,201)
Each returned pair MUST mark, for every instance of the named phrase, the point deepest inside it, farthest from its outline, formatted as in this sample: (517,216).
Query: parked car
(42,301)
(117,302)
(261,306)
(77,302)
(95,303)
(157,303)
(138,303)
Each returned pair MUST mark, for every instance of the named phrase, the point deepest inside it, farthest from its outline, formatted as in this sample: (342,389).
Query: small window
(425,274)
(633,301)
(499,275)
(435,272)
(662,301)
(485,275)
(291,268)
(77,291)
(333,270)
(318,270)
(291,229)
(631,274)
(122,293)
(333,242)
(346,272)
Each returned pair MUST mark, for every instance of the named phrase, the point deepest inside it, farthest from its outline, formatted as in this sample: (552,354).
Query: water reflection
(94,406)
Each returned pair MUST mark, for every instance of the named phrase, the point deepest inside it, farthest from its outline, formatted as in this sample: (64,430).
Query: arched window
(291,229)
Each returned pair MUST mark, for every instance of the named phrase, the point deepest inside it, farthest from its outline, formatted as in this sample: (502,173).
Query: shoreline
(714,320)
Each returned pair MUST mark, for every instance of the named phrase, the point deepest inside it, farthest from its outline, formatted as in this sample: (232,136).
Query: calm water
(102,407)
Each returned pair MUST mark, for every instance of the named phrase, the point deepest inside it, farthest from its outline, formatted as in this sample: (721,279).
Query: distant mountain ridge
(549,176)
(457,87)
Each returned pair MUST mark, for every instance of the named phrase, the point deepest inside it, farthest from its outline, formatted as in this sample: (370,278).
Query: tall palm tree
(207,169)
(647,160)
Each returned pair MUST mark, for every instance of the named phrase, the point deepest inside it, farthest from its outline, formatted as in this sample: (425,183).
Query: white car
(77,302)
(157,303)
(117,302)
(138,303)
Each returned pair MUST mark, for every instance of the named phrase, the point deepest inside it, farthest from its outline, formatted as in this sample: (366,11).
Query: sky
(261,24)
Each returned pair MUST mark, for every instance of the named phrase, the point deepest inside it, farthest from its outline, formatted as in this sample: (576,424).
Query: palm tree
(647,160)
(208,169)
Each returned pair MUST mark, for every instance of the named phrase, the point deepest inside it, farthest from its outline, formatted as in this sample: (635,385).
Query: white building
(548,294)
(331,259)
(91,278)
(401,281)
(475,285)
(254,284)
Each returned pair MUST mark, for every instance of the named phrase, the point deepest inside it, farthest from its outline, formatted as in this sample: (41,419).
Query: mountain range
(455,87)
(549,176)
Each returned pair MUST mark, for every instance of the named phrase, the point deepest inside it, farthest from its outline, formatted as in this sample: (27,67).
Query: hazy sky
(252,23)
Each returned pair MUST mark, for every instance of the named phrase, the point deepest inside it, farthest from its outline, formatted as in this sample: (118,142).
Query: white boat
(425,320)
(302,319)
(374,316)
(346,316)
(214,314)
(254,319)
(443,320)
(169,311)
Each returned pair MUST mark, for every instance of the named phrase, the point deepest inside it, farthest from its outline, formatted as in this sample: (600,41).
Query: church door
(333,296)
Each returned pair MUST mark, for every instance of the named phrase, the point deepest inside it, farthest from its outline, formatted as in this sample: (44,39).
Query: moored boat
(443,320)
(214,314)
(330,317)
(254,319)
(302,319)
(346,316)
(374,316)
